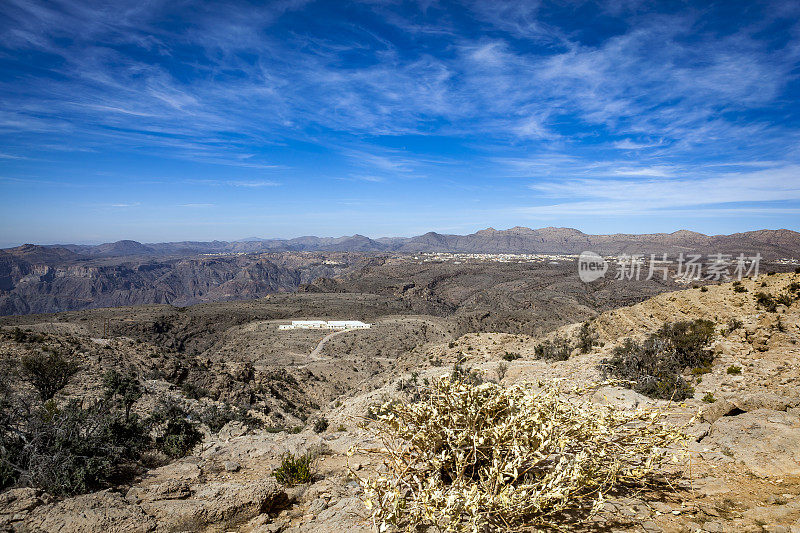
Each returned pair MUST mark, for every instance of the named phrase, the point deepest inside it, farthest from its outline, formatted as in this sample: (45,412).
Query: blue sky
(173,120)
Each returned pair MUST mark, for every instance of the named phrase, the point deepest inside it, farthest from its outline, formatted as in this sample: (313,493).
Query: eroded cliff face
(28,286)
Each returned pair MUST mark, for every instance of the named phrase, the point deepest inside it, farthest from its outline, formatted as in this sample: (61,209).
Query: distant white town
(323,324)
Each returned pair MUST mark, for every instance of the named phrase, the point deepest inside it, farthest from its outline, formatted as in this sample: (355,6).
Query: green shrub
(766,301)
(558,349)
(215,417)
(709,398)
(733,325)
(294,470)
(654,367)
(177,433)
(125,389)
(193,392)
(179,438)
(586,338)
(47,371)
(734,370)
(320,425)
(703,289)
(511,356)
(71,450)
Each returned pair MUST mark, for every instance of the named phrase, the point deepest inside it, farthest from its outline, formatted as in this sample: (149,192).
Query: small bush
(586,338)
(320,425)
(294,470)
(559,349)
(468,375)
(125,389)
(48,372)
(734,370)
(488,458)
(709,398)
(193,392)
(766,302)
(216,417)
(738,287)
(70,450)
(177,431)
(502,368)
(511,356)
(654,367)
(179,438)
(733,325)
(703,289)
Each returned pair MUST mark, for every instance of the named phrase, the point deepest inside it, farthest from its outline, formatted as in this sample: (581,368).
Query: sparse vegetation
(733,324)
(734,370)
(124,389)
(468,375)
(320,425)
(501,370)
(557,349)
(586,338)
(193,392)
(511,356)
(177,432)
(480,458)
(294,469)
(766,302)
(709,397)
(654,367)
(48,371)
(217,416)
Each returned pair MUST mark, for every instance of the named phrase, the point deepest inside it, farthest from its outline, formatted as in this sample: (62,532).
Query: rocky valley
(252,396)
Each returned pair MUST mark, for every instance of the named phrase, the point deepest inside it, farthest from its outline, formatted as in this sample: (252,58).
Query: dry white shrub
(483,457)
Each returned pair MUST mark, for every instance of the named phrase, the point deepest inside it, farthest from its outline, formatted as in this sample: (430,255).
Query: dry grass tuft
(470,457)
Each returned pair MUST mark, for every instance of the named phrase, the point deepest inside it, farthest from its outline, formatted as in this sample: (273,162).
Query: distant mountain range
(517,240)
(39,279)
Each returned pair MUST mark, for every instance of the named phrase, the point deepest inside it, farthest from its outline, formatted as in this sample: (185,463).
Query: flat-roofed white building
(309,324)
(347,324)
(322,324)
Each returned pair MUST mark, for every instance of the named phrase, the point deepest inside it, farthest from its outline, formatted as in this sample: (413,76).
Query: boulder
(223,503)
(765,441)
(100,512)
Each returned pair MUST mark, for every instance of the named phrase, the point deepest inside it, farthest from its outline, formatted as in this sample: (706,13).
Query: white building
(347,324)
(322,324)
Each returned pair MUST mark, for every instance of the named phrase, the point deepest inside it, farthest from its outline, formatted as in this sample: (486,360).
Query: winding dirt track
(315,352)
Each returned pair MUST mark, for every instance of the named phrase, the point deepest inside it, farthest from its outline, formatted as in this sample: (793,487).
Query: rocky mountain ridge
(517,240)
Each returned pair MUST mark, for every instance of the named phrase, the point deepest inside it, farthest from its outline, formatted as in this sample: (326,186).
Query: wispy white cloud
(628,144)
(253,184)
(692,190)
